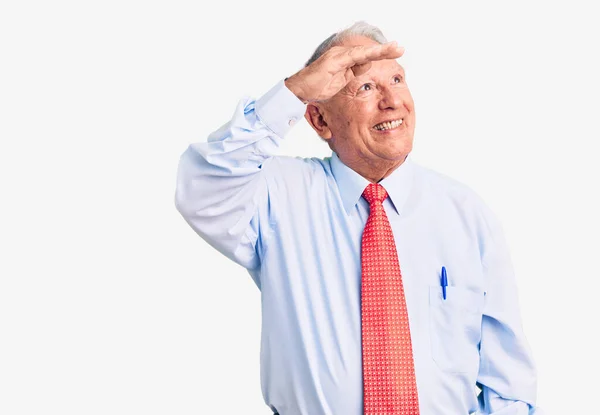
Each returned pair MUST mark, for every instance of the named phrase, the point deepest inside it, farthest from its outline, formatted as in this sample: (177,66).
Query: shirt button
(292,121)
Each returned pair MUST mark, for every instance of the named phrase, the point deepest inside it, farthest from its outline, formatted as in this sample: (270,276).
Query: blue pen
(444,282)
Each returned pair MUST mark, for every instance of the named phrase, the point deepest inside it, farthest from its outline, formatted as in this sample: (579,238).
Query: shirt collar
(351,184)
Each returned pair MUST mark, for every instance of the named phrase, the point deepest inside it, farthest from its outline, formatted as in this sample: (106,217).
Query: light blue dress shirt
(296,225)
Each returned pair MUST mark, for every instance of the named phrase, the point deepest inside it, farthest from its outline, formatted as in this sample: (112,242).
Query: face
(372,119)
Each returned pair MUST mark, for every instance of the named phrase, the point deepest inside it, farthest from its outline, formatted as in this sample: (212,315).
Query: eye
(365,87)
(397,79)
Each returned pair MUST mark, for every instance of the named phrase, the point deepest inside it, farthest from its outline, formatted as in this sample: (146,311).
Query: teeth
(388,125)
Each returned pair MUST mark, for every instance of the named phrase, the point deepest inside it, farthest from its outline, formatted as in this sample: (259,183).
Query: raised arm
(221,184)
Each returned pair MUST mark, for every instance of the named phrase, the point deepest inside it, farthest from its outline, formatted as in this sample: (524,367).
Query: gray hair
(360,28)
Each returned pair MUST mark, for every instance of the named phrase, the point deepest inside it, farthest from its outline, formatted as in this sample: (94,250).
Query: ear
(315,116)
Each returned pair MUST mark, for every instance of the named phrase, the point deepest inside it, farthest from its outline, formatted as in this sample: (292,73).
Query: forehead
(383,68)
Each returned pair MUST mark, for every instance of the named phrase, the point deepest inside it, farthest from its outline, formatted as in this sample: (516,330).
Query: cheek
(353,118)
(344,122)
(408,101)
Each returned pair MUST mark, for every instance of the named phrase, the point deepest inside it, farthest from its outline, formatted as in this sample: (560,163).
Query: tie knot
(374,193)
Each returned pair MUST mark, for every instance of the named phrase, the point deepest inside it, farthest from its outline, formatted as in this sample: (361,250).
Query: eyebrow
(355,81)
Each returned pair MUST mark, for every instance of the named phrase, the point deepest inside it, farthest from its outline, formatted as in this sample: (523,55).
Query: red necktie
(388,368)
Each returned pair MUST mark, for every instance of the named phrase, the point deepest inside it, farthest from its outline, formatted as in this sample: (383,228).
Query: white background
(111,304)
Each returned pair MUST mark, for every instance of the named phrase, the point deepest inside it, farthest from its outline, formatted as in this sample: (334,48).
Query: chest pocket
(455,327)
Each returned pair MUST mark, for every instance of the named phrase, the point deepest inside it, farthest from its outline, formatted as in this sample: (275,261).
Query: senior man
(387,288)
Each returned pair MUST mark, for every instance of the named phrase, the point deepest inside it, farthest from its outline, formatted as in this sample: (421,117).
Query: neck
(374,172)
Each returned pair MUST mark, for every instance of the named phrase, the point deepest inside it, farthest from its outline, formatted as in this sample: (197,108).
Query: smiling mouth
(388,125)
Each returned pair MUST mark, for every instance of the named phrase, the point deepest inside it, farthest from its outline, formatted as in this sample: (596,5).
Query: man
(387,288)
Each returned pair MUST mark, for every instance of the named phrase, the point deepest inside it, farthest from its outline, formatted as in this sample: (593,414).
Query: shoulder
(441,184)
(441,188)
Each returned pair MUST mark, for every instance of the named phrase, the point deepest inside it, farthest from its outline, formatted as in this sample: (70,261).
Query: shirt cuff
(279,109)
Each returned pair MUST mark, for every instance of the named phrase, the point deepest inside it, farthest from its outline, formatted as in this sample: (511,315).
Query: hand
(326,76)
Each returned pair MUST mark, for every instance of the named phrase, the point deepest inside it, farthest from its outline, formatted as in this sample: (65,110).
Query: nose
(389,99)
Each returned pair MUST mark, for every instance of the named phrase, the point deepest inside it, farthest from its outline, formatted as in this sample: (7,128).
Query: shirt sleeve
(221,187)
(507,375)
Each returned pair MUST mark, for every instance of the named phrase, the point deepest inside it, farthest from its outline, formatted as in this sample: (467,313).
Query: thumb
(361,69)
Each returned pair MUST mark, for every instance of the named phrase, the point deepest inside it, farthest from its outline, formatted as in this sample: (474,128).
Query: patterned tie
(388,368)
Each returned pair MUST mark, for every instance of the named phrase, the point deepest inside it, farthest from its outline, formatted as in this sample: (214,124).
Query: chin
(398,153)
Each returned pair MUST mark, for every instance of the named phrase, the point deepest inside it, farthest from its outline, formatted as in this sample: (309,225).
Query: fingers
(359,55)
(389,50)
